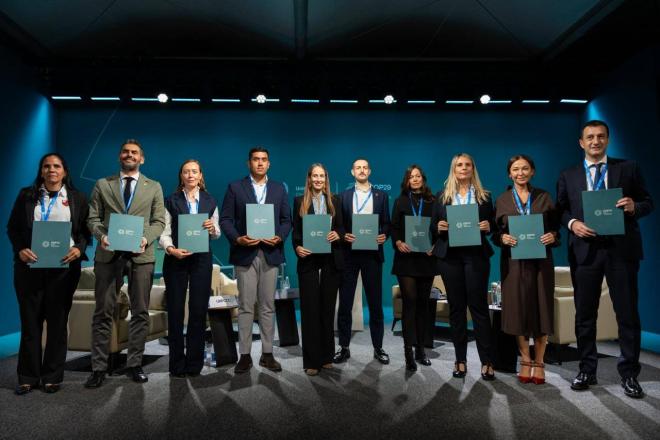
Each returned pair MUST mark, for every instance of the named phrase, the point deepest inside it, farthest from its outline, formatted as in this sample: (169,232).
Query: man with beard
(128,192)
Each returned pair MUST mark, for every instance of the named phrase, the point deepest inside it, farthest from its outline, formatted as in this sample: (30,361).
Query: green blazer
(147,203)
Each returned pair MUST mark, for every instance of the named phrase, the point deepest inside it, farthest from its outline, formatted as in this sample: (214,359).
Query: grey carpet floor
(360,399)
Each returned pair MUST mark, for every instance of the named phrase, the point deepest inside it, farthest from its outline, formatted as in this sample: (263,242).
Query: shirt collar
(364,191)
(603,160)
(62,191)
(135,177)
(254,182)
(195,194)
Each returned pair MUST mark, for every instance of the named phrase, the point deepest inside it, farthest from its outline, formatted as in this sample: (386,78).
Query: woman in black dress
(319,275)
(46,294)
(414,270)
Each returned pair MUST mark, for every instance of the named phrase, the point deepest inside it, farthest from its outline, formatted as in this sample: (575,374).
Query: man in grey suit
(128,192)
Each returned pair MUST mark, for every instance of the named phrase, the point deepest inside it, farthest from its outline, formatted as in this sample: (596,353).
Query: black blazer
(381,208)
(441,239)
(337,225)
(19,227)
(624,174)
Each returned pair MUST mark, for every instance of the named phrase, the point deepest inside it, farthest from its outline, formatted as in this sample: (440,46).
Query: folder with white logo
(50,243)
(418,233)
(260,220)
(601,213)
(191,235)
(365,229)
(463,225)
(315,233)
(527,230)
(125,232)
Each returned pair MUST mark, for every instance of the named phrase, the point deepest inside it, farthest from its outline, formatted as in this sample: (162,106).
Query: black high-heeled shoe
(411,365)
(458,373)
(489,372)
(420,356)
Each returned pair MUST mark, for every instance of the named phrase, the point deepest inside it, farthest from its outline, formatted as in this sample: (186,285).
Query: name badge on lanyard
(528,206)
(595,186)
(416,213)
(358,209)
(46,213)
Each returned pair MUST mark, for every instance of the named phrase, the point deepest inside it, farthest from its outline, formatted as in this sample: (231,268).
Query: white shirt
(361,197)
(458,200)
(60,211)
(122,182)
(259,189)
(166,240)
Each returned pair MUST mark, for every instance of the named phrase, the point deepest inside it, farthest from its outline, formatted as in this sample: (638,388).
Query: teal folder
(365,229)
(463,225)
(315,232)
(50,243)
(192,236)
(260,220)
(601,213)
(527,230)
(125,232)
(418,234)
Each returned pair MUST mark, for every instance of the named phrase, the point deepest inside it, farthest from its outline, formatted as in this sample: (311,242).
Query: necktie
(597,176)
(127,190)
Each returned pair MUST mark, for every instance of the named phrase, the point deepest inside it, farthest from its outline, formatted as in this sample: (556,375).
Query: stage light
(225,100)
(162,98)
(504,101)
(485,99)
(459,102)
(343,101)
(261,99)
(186,100)
(536,101)
(105,98)
(389,99)
(144,99)
(429,101)
(574,101)
(66,98)
(305,101)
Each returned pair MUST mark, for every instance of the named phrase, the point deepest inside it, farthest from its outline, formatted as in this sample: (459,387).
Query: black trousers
(415,293)
(318,284)
(371,267)
(192,274)
(466,279)
(44,295)
(621,277)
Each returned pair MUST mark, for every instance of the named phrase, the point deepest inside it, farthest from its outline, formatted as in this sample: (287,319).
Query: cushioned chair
(82,312)
(564,313)
(442,307)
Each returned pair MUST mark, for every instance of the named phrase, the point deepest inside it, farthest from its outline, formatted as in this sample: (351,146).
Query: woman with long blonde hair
(319,274)
(465,269)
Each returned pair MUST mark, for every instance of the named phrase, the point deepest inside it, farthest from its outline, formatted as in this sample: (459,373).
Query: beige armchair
(564,318)
(82,312)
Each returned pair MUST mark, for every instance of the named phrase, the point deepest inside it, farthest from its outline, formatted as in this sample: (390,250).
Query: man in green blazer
(128,192)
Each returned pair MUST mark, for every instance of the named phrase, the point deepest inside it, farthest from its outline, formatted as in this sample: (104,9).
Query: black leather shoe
(23,389)
(95,380)
(631,387)
(487,371)
(420,356)
(244,364)
(267,360)
(136,374)
(583,380)
(51,388)
(411,365)
(381,356)
(459,373)
(342,355)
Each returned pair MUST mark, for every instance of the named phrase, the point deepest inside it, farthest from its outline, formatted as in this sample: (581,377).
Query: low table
(506,347)
(285,312)
(224,341)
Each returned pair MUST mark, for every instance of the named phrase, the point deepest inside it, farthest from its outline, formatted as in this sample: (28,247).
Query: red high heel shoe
(538,380)
(525,379)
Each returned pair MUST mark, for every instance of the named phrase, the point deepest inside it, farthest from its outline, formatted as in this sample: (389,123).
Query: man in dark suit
(129,192)
(615,257)
(363,199)
(256,260)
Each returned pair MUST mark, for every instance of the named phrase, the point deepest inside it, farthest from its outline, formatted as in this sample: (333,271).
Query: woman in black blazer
(319,275)
(46,294)
(189,272)
(465,270)
(414,270)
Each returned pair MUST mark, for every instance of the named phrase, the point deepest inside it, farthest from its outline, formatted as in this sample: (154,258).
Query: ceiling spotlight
(261,99)
(485,99)
(389,99)
(162,98)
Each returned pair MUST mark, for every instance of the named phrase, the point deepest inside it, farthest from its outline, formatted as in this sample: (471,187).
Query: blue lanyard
(359,209)
(417,213)
(321,207)
(45,214)
(468,199)
(260,200)
(528,205)
(189,205)
(601,181)
(130,199)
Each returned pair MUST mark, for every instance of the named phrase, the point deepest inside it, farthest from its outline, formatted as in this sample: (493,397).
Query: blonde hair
(451,184)
(307,196)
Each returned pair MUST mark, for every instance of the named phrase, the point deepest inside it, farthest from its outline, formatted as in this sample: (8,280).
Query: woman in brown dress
(527,285)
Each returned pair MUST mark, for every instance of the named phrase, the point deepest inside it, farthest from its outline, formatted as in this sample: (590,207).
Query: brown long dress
(527,285)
